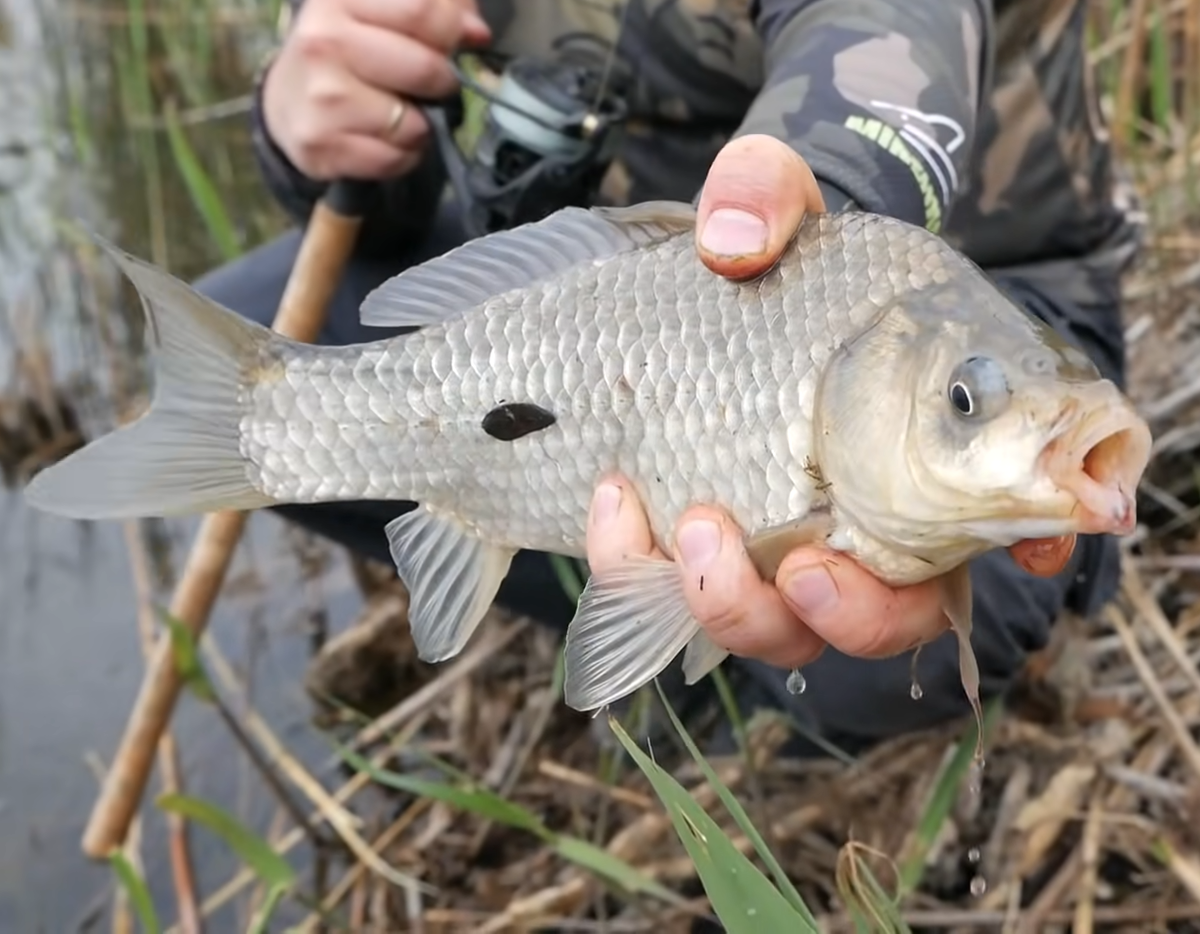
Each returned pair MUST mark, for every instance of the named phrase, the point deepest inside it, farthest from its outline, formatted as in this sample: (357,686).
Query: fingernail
(699,543)
(606,503)
(733,232)
(811,590)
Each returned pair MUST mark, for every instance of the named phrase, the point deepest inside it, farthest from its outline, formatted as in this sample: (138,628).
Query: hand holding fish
(333,99)
(818,597)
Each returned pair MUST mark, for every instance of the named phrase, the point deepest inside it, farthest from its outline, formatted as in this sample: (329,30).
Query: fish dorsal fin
(467,276)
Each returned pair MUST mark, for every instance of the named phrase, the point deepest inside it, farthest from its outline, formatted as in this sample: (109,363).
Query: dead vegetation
(1088,816)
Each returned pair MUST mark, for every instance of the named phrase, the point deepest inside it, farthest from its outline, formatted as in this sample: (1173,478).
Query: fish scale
(597,341)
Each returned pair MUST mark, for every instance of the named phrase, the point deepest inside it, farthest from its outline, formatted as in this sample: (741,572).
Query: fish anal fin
(465,277)
(956,598)
(452,577)
(631,622)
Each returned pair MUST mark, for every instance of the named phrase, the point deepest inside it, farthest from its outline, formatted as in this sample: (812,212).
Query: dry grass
(1088,817)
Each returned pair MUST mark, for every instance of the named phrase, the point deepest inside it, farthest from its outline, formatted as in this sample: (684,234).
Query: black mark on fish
(815,473)
(512,420)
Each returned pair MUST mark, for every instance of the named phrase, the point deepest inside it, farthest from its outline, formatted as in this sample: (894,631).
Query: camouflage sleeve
(879,96)
(400,214)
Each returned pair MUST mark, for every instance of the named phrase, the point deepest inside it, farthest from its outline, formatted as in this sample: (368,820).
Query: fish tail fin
(183,455)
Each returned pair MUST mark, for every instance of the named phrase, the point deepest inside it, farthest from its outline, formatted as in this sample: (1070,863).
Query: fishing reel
(549,132)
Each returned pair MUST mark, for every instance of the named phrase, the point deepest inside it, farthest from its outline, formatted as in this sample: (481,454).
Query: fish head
(958,422)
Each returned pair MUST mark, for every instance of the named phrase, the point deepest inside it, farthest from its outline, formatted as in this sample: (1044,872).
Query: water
(70,659)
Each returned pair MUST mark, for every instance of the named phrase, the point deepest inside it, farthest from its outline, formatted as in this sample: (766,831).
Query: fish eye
(978,388)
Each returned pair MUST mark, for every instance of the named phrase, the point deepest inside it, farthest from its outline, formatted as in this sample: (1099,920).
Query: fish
(873,391)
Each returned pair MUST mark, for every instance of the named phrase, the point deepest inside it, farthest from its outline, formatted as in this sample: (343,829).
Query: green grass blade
(476,800)
(135,887)
(201,189)
(487,804)
(274,871)
(602,863)
(187,659)
(1161,103)
(742,896)
(942,800)
(740,816)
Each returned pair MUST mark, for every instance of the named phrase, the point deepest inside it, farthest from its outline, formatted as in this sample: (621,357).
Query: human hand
(334,99)
(818,597)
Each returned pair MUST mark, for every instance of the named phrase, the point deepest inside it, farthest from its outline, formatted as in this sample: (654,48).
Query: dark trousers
(850,702)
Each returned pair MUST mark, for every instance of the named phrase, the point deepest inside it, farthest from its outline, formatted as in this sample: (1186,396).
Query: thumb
(757,191)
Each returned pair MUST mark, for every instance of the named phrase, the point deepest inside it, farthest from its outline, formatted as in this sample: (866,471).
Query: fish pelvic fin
(466,277)
(183,455)
(452,578)
(631,622)
(956,595)
(701,657)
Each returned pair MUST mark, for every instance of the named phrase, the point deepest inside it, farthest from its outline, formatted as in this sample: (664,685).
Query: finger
(618,527)
(853,610)
(756,193)
(440,24)
(1044,557)
(399,63)
(351,156)
(738,609)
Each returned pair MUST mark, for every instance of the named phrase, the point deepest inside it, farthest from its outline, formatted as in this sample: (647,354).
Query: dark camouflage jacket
(977,119)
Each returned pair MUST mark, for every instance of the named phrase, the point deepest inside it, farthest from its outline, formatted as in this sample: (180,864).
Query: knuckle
(432,74)
(314,46)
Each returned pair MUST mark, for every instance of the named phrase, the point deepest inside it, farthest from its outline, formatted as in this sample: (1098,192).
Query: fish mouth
(1098,457)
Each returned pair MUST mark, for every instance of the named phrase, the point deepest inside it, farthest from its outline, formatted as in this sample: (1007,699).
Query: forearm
(402,209)
(880,97)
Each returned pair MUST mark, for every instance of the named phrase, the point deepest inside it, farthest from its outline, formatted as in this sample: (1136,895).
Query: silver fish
(874,390)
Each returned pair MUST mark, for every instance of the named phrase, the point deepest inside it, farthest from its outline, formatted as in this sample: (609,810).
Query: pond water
(70,656)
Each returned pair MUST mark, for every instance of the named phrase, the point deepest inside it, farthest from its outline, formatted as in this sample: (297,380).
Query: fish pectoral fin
(452,577)
(701,657)
(630,624)
(956,594)
(768,547)
(450,285)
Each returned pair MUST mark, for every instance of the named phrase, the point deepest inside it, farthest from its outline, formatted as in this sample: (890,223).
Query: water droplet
(978,886)
(916,692)
(751,912)
(795,682)
(973,854)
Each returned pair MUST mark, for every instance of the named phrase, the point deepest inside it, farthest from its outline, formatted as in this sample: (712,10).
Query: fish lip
(1098,449)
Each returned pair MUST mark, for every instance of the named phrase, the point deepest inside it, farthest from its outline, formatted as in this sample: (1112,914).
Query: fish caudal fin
(183,456)
(630,624)
(452,577)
